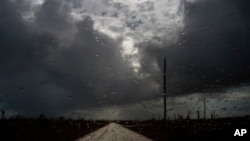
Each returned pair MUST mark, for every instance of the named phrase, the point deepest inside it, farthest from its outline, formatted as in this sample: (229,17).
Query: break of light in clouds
(103,58)
(133,22)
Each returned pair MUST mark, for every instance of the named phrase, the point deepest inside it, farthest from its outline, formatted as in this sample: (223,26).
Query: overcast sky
(104,58)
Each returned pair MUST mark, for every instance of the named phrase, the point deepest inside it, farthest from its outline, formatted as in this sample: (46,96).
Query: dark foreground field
(68,130)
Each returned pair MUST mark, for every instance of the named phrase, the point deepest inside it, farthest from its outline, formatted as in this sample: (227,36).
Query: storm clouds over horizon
(59,57)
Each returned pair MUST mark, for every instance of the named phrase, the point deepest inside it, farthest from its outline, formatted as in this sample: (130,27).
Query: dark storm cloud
(212,51)
(21,57)
(40,73)
(53,64)
(55,15)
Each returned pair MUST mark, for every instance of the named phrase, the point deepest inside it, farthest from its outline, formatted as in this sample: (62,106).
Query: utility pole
(165,89)
(198,114)
(3,112)
(204,108)
(188,115)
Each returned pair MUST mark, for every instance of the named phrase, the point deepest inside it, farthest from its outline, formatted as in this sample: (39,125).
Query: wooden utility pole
(165,89)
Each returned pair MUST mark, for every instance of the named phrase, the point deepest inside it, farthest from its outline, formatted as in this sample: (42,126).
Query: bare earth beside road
(70,130)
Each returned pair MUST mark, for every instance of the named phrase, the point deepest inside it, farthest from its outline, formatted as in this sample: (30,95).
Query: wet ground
(70,130)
